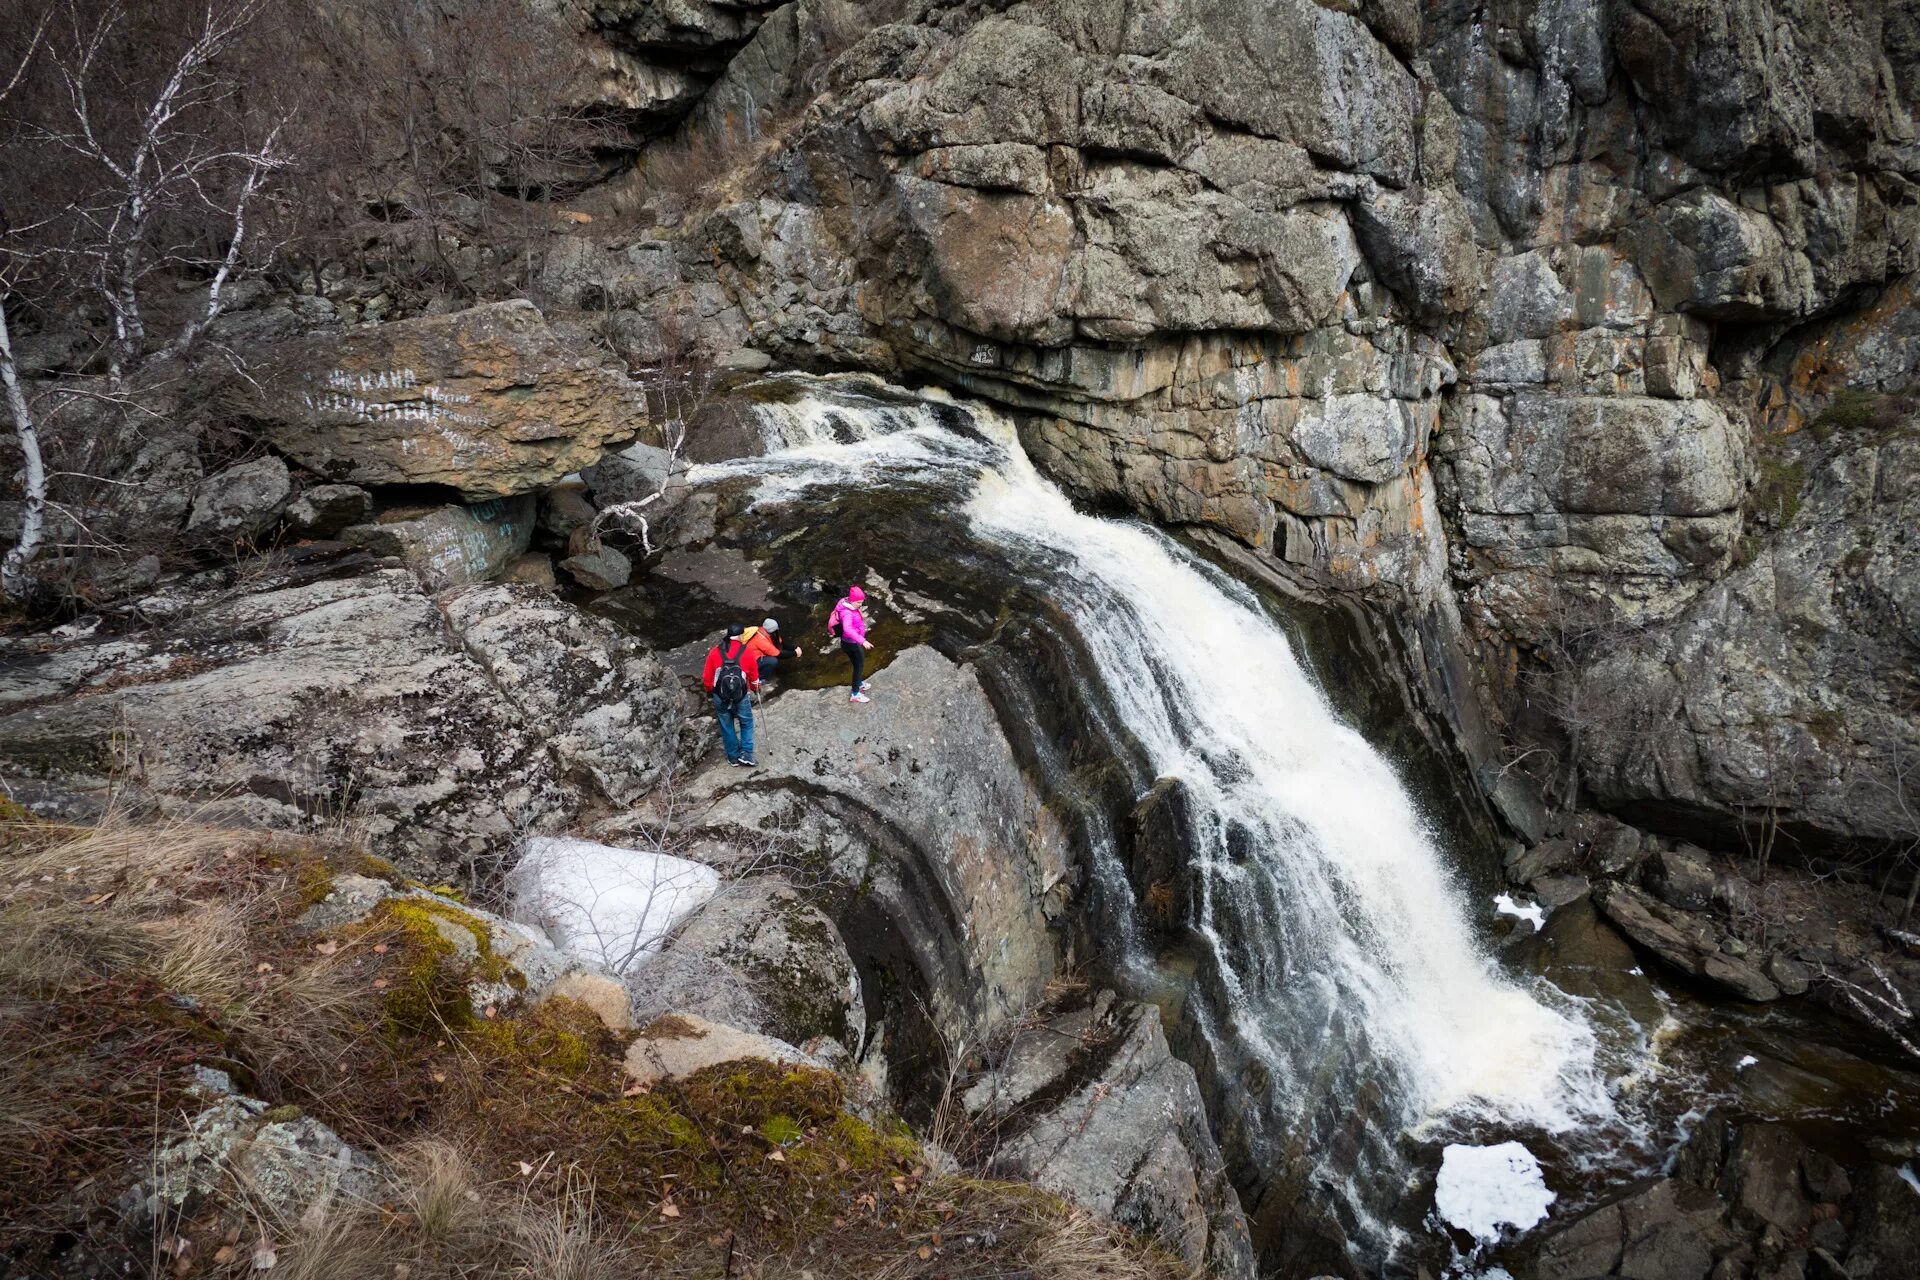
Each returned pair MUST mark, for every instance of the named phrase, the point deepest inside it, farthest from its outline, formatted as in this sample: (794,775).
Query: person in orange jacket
(763,651)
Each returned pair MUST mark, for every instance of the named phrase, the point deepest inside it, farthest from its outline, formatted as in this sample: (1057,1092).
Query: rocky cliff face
(1512,311)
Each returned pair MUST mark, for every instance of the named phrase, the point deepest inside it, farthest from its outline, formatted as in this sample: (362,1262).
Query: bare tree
(16,580)
(174,151)
(435,123)
(680,386)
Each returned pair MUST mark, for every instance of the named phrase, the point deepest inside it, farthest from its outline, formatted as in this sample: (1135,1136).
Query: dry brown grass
(514,1148)
(129,951)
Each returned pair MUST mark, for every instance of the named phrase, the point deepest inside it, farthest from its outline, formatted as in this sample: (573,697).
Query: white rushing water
(1329,912)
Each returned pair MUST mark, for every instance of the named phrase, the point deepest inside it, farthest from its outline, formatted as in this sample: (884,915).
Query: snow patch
(1532,912)
(609,906)
(1484,1189)
(1746,1061)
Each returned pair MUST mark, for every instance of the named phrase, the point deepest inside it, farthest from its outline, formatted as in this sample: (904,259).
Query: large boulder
(760,957)
(453,546)
(1091,1104)
(489,401)
(317,699)
(610,711)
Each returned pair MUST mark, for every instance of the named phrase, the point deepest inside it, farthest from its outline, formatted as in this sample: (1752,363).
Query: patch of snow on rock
(1484,1189)
(609,906)
(1532,912)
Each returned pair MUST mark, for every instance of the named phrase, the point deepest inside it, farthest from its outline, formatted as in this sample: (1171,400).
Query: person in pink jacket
(848,624)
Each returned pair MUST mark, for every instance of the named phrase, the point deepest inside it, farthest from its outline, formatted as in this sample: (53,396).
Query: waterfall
(1336,948)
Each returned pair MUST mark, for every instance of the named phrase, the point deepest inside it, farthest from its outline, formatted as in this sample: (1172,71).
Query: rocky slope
(1575,339)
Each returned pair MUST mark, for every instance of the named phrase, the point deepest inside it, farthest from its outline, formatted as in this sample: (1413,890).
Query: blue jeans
(736,726)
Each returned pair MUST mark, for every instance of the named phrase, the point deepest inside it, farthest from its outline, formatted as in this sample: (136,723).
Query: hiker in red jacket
(728,681)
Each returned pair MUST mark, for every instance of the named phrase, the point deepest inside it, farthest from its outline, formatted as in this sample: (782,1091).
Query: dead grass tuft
(516,1146)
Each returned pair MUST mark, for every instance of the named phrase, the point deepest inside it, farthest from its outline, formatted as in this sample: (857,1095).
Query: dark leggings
(857,655)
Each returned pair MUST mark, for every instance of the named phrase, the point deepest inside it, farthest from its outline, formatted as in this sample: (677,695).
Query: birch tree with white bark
(139,149)
(163,153)
(15,579)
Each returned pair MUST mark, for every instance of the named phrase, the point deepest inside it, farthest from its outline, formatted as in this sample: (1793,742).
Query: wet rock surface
(1743,1201)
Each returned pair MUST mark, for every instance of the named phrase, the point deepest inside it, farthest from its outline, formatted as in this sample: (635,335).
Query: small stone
(604,569)
(606,996)
(1681,880)
(1549,857)
(240,502)
(324,510)
(746,360)
(535,568)
(1555,892)
(564,508)
(1792,977)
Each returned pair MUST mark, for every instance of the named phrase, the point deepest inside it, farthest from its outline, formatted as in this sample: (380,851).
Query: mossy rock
(444,950)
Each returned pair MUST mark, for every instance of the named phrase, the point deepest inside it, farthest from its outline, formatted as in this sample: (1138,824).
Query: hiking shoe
(859,697)
(747,762)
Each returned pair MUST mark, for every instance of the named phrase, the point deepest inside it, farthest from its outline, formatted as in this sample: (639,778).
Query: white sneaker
(859,697)
(865,685)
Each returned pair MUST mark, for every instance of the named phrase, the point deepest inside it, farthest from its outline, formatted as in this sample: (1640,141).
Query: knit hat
(856,595)
(771,624)
(733,631)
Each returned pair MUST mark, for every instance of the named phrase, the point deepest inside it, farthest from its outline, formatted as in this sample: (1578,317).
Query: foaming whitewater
(1342,959)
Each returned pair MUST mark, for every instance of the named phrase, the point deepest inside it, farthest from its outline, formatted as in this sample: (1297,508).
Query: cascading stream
(1340,950)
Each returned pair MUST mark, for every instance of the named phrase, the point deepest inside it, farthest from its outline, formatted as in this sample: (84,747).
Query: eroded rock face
(961,867)
(1493,314)
(1791,682)
(487,401)
(1091,1103)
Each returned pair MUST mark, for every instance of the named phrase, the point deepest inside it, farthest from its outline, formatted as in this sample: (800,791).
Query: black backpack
(730,682)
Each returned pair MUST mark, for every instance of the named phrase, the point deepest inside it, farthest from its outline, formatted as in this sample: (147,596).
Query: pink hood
(853,623)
